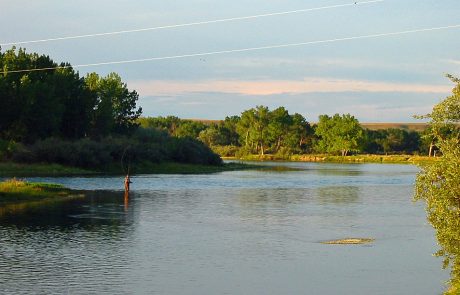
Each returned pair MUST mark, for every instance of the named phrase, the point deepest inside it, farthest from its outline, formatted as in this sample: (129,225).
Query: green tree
(259,130)
(338,134)
(278,127)
(439,183)
(244,127)
(168,124)
(39,104)
(300,135)
(228,130)
(189,128)
(211,136)
(115,110)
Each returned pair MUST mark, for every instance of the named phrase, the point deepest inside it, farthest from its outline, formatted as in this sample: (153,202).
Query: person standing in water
(127,182)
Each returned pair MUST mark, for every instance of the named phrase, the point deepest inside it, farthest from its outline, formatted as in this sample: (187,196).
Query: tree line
(60,103)
(260,130)
(58,116)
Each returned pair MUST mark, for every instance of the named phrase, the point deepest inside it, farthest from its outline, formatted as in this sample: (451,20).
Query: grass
(14,190)
(10,169)
(402,159)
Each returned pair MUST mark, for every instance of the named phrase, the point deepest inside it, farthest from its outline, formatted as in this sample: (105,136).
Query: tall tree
(338,134)
(278,127)
(259,129)
(299,137)
(244,127)
(439,183)
(39,104)
(116,106)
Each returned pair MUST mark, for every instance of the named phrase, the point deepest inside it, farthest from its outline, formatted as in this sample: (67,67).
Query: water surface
(240,232)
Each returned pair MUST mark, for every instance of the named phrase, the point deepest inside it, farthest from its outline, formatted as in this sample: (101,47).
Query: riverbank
(10,169)
(17,196)
(390,159)
(14,191)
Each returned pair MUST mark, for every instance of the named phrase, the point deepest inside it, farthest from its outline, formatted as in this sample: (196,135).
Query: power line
(241,49)
(189,24)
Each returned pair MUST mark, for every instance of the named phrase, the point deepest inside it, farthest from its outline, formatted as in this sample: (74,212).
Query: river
(239,232)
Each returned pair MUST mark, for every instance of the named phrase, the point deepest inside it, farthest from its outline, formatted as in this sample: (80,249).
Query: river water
(239,232)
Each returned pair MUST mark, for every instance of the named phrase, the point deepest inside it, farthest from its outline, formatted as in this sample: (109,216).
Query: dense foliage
(262,131)
(439,184)
(58,102)
(338,134)
(114,154)
(56,116)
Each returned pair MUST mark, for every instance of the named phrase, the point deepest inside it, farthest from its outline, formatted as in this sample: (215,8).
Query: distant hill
(405,126)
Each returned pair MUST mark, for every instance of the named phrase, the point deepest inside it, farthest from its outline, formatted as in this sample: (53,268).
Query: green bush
(225,150)
(284,153)
(243,152)
(146,146)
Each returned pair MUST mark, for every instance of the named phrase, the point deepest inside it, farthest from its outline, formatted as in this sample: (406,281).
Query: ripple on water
(241,232)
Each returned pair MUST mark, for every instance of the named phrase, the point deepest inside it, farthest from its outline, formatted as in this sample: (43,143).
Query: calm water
(245,232)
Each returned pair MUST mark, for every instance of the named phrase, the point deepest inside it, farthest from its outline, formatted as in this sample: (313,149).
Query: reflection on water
(241,232)
(99,208)
(339,195)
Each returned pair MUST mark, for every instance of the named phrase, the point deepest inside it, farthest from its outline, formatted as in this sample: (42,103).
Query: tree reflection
(339,194)
(92,211)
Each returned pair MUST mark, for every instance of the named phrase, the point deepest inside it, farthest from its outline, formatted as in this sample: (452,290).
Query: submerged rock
(349,241)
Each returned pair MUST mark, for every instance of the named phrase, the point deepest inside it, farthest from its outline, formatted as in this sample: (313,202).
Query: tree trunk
(278,144)
(431,149)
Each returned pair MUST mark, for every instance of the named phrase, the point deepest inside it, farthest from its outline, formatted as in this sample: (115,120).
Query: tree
(227,129)
(439,182)
(211,136)
(259,130)
(300,134)
(168,124)
(115,110)
(338,134)
(243,127)
(188,128)
(278,127)
(39,104)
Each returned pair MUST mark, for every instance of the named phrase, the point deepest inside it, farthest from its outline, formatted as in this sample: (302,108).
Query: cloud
(273,87)
(452,61)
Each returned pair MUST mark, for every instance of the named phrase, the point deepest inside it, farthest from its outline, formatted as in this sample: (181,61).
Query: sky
(382,79)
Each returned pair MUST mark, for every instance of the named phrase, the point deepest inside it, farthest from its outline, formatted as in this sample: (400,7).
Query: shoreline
(11,169)
(319,158)
(16,191)
(19,196)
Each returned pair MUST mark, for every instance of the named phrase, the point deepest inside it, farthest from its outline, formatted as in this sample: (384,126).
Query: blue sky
(377,80)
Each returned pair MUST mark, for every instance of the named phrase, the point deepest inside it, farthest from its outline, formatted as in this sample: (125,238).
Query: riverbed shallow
(236,232)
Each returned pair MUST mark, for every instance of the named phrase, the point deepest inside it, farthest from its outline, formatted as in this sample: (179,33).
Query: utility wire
(240,50)
(188,24)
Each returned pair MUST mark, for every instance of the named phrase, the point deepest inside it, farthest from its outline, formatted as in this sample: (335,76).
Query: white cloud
(273,87)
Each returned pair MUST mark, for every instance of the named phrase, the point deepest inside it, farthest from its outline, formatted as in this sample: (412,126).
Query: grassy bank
(10,169)
(13,190)
(402,159)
